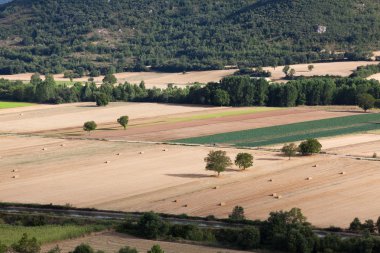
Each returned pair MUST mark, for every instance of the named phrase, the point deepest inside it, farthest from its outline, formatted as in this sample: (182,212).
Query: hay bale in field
(44,149)
(165,150)
(185,205)
(309,178)
(62,145)
(343,173)
(315,166)
(222,203)
(216,187)
(175,201)
(274,195)
(21,114)
(118,154)
(15,176)
(270,180)
(15,170)
(278,197)
(107,162)
(141,152)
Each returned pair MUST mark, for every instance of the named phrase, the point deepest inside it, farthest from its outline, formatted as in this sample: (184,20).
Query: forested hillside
(89,36)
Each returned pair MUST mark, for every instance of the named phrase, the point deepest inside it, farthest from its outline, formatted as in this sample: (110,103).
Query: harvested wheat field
(112,242)
(151,79)
(144,177)
(320,69)
(51,117)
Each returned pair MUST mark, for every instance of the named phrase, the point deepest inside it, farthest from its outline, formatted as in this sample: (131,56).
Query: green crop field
(11,234)
(6,105)
(293,132)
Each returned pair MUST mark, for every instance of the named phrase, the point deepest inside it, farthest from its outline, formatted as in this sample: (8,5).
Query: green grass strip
(7,105)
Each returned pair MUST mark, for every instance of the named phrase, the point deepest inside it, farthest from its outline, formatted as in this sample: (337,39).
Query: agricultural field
(7,105)
(43,147)
(112,242)
(44,234)
(293,132)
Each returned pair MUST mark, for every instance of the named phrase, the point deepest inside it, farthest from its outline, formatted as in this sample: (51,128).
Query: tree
(110,79)
(221,98)
(310,67)
(244,160)
(378,225)
(217,161)
(249,238)
(83,248)
(156,249)
(151,226)
(286,70)
(366,101)
(123,121)
(26,245)
(127,249)
(289,150)
(309,147)
(237,213)
(89,126)
(356,225)
(102,99)
(291,73)
(369,225)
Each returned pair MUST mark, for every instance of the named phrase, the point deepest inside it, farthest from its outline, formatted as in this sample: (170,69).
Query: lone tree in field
(123,121)
(289,150)
(309,147)
(110,78)
(310,67)
(244,160)
(366,101)
(286,70)
(217,161)
(156,249)
(89,126)
(237,213)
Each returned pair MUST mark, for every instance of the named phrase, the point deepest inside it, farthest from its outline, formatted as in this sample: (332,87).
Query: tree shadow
(189,175)
(84,106)
(269,159)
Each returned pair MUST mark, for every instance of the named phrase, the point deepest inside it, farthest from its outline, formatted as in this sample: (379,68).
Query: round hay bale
(222,203)
(270,180)
(274,195)
(175,201)
(62,145)
(15,170)
(314,166)
(44,149)
(16,176)
(107,162)
(343,173)
(165,150)
(216,187)
(185,205)
(141,153)
(309,178)
(21,114)
(118,154)
(278,197)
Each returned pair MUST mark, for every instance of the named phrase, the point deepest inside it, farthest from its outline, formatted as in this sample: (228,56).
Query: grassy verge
(10,234)
(6,105)
(293,132)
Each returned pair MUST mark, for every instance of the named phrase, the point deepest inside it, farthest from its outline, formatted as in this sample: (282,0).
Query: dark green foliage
(151,226)
(356,225)
(309,147)
(89,126)
(128,250)
(366,71)
(366,101)
(123,121)
(257,72)
(289,150)
(3,248)
(246,238)
(83,248)
(26,245)
(221,98)
(156,249)
(102,99)
(217,161)
(181,35)
(237,214)
(244,160)
(190,232)
(110,79)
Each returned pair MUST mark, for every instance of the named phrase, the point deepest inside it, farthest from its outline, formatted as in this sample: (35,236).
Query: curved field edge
(10,234)
(292,132)
(8,105)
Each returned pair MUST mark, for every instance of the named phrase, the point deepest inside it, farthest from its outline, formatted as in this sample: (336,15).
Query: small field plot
(293,132)
(6,105)
(11,234)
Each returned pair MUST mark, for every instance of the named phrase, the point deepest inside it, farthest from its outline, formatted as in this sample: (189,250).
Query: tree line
(230,91)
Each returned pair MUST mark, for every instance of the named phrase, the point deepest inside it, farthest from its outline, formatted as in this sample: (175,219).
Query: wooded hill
(89,36)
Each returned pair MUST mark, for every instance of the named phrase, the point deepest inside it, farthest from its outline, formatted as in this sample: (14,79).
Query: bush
(3,248)
(237,214)
(128,250)
(26,245)
(102,99)
(83,248)
(151,226)
(366,101)
(156,249)
(309,147)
